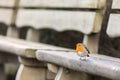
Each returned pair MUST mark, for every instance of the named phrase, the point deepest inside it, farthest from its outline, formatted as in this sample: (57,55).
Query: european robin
(82,51)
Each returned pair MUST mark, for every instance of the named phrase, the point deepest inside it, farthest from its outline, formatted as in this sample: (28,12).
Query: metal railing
(101,65)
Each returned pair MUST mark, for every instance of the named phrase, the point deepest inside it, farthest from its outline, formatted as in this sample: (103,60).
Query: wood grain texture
(58,20)
(61,3)
(6,15)
(116,4)
(95,64)
(113,29)
(7,3)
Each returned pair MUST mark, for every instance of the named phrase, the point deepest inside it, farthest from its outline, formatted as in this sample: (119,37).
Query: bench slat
(58,20)
(116,4)
(61,3)
(7,3)
(6,15)
(113,29)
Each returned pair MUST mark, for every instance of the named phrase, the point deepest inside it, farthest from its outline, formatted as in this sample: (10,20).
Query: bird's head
(79,48)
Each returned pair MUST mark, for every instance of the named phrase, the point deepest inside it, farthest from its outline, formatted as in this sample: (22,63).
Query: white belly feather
(82,54)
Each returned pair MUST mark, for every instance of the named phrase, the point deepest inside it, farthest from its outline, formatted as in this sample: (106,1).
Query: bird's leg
(80,58)
(83,58)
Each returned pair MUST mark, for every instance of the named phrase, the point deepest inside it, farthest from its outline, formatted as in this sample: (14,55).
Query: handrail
(21,47)
(96,64)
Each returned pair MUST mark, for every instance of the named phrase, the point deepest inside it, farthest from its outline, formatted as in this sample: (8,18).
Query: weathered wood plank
(113,29)
(116,4)
(58,20)
(23,48)
(5,15)
(61,3)
(7,3)
(95,64)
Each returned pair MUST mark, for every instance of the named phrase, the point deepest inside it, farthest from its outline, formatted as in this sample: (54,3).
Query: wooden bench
(113,29)
(84,15)
(24,49)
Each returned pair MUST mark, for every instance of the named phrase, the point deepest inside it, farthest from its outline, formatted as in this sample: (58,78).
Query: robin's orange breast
(79,48)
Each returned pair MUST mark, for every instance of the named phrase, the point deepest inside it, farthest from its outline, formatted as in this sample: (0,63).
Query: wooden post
(33,35)
(92,42)
(29,71)
(13,32)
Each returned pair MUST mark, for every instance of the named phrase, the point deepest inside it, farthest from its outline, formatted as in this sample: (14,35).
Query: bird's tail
(88,55)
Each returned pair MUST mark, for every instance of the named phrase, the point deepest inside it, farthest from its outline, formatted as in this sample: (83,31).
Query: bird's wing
(87,49)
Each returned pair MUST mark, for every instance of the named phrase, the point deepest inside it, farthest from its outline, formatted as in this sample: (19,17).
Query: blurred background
(67,38)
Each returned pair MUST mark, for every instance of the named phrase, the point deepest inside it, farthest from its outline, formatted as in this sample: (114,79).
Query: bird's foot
(83,58)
